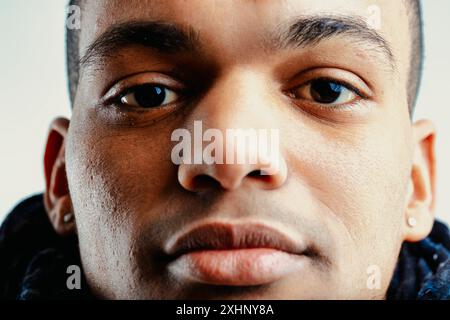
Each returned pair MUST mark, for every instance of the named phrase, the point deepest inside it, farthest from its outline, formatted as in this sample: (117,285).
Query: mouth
(243,254)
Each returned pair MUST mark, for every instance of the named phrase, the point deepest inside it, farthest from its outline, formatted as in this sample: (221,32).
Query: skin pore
(354,171)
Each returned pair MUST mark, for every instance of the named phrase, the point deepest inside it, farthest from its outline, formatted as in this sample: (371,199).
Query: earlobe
(419,212)
(57,199)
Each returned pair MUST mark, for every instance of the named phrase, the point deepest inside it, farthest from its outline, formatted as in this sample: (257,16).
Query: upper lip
(225,235)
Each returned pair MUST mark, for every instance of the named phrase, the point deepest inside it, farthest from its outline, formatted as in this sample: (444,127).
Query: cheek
(364,176)
(114,180)
(120,170)
(357,181)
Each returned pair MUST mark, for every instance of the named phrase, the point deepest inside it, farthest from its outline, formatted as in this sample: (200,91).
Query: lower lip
(236,267)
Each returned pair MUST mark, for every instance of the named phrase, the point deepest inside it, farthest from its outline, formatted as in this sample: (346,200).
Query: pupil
(324,91)
(148,95)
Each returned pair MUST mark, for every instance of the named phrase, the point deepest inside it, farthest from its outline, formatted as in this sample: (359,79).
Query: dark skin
(354,171)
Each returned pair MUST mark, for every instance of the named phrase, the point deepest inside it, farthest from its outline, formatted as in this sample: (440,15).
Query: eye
(325,91)
(148,96)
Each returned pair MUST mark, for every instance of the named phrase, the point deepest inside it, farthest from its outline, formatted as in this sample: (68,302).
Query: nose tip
(198,177)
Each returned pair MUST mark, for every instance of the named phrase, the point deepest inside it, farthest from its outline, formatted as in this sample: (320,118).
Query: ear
(56,198)
(419,217)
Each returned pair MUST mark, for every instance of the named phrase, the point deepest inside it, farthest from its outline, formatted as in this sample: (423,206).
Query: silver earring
(68,217)
(412,222)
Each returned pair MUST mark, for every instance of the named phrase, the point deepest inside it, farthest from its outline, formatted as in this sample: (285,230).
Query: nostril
(255,173)
(259,175)
(204,181)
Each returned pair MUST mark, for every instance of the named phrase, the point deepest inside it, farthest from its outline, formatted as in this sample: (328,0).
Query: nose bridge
(239,99)
(238,108)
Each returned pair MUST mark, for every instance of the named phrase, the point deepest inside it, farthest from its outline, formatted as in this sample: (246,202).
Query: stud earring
(68,217)
(412,222)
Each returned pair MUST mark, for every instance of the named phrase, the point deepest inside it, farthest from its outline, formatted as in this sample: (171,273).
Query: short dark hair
(415,68)
(417,51)
(73,56)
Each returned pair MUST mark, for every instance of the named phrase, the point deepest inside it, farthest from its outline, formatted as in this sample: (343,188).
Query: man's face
(346,162)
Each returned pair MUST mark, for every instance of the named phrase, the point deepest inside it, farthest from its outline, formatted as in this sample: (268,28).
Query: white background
(33,91)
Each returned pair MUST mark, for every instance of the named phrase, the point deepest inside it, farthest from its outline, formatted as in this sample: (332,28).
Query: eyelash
(341,107)
(344,84)
(116,100)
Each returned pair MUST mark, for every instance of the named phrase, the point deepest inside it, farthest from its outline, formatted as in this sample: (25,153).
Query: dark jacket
(34,260)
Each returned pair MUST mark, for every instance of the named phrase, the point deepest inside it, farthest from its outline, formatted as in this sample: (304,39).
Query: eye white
(169,97)
(345,96)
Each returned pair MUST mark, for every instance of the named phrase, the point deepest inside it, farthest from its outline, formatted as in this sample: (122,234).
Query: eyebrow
(161,36)
(311,30)
(305,31)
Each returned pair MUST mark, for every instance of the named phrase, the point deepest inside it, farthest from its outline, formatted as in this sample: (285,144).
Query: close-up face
(332,77)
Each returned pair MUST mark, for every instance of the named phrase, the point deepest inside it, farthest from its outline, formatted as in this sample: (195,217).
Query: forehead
(241,24)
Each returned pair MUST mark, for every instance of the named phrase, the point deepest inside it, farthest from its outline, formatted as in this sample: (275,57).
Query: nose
(238,102)
(197,177)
